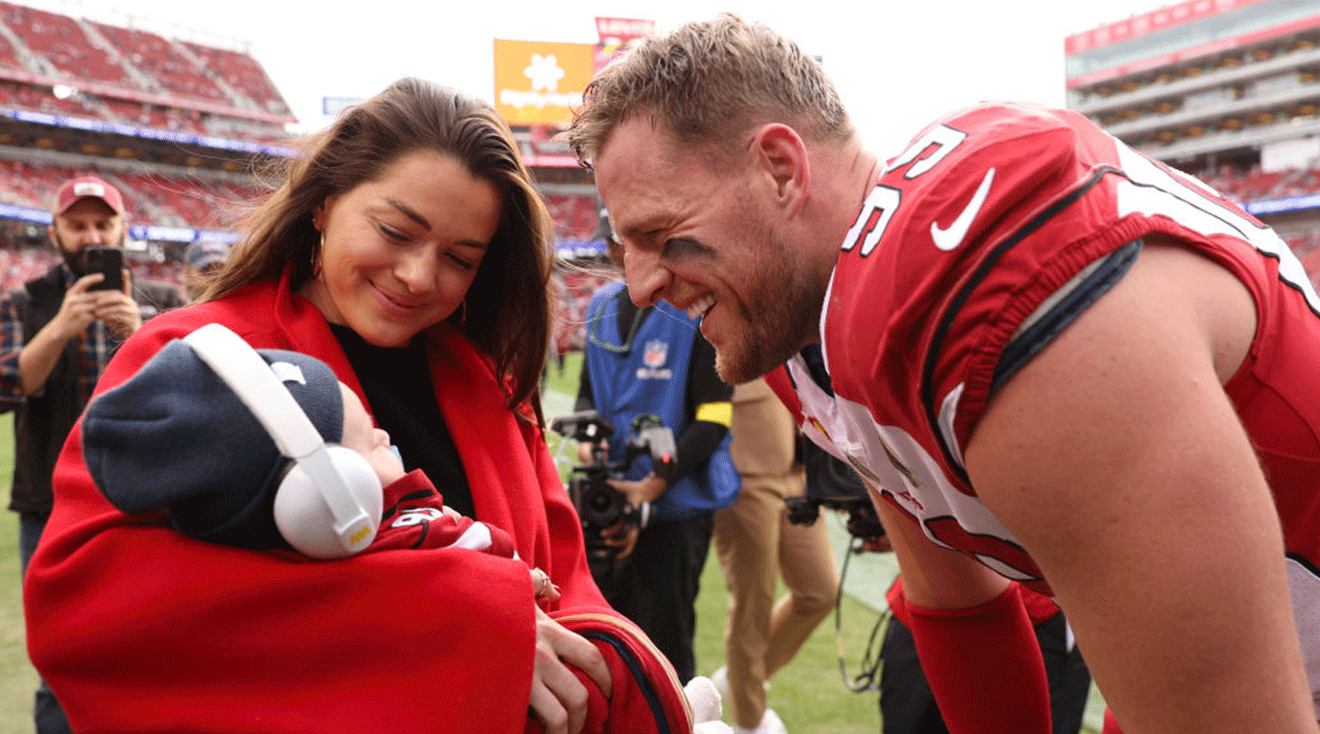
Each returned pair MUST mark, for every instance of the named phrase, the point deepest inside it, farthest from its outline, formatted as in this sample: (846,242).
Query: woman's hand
(541,583)
(559,700)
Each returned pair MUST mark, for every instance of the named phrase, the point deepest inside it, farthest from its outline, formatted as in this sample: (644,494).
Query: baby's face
(361,435)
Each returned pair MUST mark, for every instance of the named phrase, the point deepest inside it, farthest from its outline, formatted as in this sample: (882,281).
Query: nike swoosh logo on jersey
(950,237)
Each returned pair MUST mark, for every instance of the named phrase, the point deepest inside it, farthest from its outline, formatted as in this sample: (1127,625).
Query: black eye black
(684,247)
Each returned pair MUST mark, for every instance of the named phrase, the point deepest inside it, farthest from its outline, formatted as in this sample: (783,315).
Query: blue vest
(648,373)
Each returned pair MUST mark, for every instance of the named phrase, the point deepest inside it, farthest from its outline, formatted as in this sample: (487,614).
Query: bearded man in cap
(57,332)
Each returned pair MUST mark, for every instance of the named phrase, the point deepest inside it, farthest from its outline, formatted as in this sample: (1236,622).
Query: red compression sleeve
(984,666)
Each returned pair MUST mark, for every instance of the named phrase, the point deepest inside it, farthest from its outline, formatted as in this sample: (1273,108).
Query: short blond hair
(709,82)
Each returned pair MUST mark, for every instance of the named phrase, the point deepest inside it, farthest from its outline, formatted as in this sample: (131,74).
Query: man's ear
(780,155)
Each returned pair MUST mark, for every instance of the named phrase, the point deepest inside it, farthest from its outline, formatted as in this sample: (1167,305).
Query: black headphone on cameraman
(329,502)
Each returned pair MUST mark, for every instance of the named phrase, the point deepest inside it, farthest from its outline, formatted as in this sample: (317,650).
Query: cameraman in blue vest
(653,361)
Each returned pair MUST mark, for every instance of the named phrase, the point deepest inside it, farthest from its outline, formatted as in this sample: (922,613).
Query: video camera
(835,485)
(599,505)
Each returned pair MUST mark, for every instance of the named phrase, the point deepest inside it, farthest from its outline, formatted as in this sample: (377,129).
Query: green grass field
(808,694)
(17,678)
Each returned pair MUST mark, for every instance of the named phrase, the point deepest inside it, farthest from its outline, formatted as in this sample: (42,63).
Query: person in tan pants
(756,543)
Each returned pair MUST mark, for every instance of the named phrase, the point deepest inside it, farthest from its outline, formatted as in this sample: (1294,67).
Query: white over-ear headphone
(328,504)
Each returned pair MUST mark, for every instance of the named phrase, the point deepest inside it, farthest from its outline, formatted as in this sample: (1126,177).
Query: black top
(701,438)
(398,387)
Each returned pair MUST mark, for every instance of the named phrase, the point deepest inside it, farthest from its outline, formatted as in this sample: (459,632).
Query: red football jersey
(415,518)
(981,242)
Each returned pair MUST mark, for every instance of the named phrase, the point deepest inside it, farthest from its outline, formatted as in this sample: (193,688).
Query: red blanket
(138,628)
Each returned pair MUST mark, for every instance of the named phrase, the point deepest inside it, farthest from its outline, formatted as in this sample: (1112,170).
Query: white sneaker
(721,680)
(770,724)
(707,711)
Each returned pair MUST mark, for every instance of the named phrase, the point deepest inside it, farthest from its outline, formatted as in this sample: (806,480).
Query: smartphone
(110,262)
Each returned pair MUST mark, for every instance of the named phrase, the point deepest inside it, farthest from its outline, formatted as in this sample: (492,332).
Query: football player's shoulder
(1025,143)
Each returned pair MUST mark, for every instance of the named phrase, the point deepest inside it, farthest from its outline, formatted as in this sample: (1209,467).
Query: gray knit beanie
(176,436)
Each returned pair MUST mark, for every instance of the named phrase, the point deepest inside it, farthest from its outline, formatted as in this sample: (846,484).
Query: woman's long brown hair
(507,309)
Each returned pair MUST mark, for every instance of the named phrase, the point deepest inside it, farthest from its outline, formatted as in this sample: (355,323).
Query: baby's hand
(544,587)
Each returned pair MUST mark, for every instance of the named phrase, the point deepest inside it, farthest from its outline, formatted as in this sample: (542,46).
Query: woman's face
(399,253)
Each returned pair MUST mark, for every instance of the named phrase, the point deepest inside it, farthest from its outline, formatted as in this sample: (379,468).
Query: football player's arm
(977,646)
(1117,459)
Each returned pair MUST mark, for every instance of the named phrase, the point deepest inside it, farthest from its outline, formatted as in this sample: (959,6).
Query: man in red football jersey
(1058,364)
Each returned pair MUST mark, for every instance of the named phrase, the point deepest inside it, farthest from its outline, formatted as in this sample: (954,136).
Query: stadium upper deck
(1205,81)
(176,124)
(108,62)
(1226,89)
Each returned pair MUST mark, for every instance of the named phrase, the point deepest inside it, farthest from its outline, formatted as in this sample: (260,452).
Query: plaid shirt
(95,345)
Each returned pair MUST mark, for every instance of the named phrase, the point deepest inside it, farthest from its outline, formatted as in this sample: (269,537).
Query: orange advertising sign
(538,82)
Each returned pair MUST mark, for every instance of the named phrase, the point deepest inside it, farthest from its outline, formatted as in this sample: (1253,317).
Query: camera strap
(872,660)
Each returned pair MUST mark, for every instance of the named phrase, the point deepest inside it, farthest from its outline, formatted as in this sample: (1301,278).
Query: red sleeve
(137,627)
(1040,608)
(984,666)
(647,697)
(414,518)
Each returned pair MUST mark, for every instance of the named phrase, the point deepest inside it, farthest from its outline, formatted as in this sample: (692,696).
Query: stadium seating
(187,202)
(18,266)
(27,185)
(23,96)
(574,289)
(243,73)
(1257,185)
(146,115)
(1306,246)
(575,215)
(8,57)
(154,54)
(138,62)
(61,42)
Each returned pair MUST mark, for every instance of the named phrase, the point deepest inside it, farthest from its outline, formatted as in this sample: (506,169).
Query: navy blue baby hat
(176,436)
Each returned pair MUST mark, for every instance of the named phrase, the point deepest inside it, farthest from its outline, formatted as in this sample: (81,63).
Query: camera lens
(600,502)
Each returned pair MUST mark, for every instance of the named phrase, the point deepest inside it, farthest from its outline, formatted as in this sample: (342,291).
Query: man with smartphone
(57,332)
